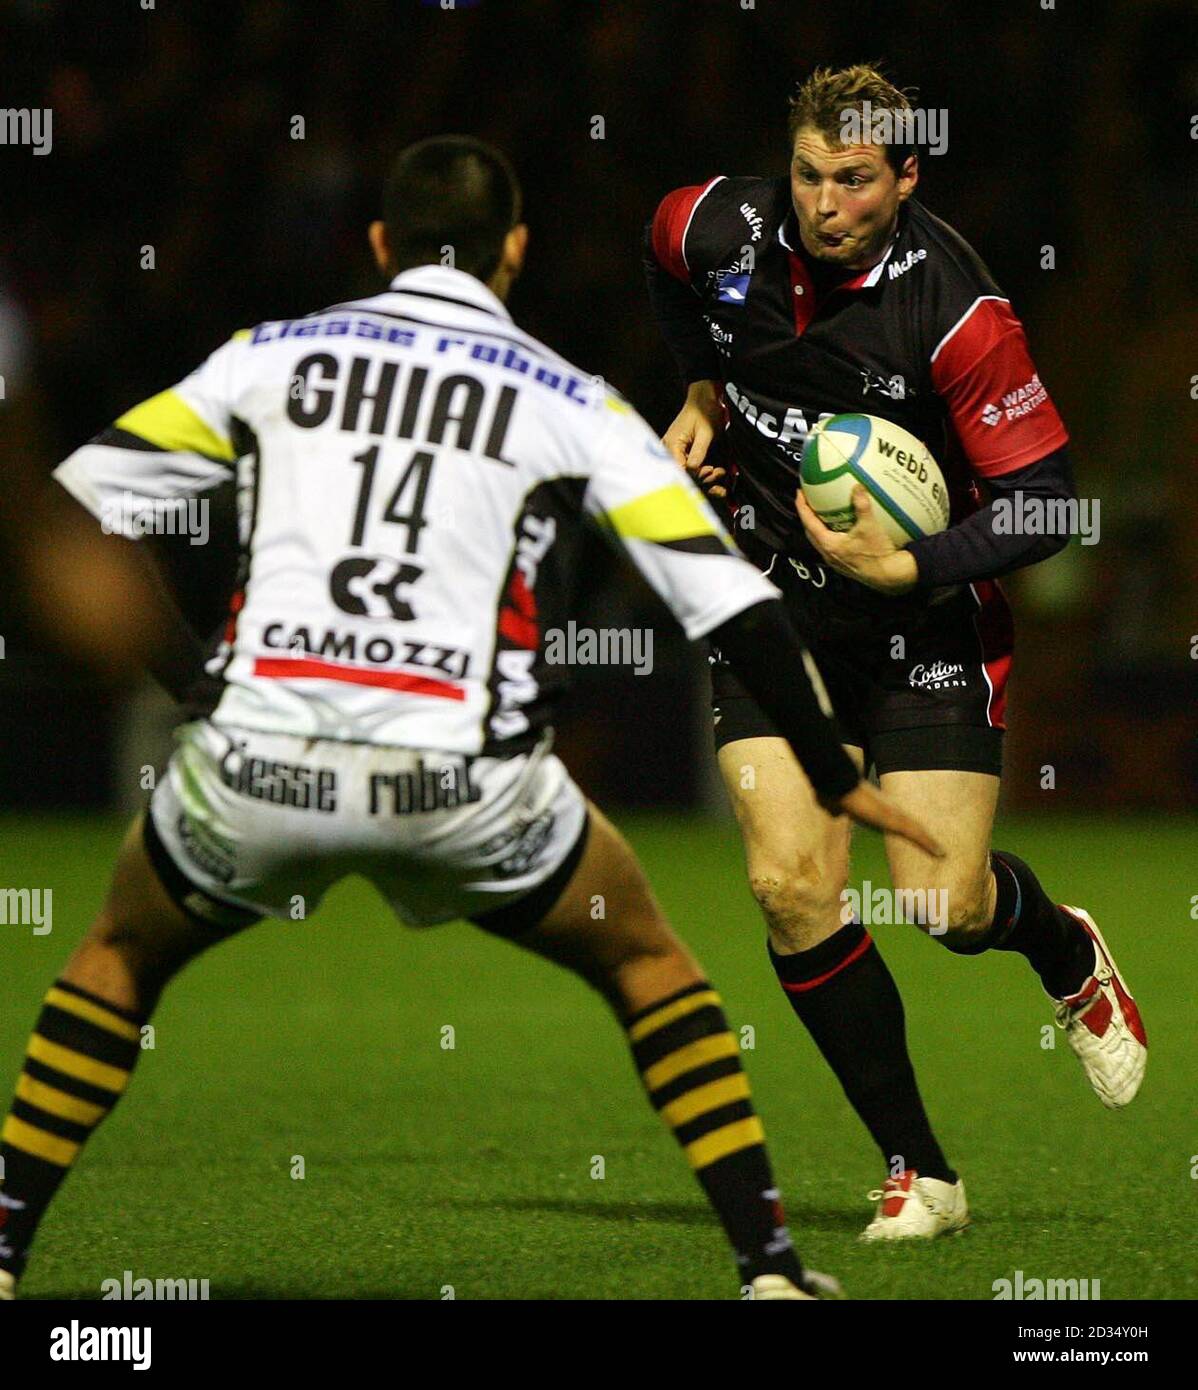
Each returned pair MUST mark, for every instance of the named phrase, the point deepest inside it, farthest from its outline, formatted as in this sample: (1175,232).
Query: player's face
(846,198)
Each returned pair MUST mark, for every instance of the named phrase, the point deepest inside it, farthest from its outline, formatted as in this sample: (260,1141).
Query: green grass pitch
(471,1167)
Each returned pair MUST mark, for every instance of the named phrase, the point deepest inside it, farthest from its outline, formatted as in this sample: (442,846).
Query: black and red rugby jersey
(925,338)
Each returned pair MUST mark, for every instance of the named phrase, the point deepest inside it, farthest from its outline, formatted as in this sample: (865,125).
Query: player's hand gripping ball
(903,480)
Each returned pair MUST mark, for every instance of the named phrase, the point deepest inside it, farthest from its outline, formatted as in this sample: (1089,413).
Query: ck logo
(369,588)
(732,287)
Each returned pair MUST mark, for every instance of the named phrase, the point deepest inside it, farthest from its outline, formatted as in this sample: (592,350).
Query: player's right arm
(170,447)
(173,446)
(663,524)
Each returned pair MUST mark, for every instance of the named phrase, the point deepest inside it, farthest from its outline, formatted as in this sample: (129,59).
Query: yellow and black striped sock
(690,1064)
(76,1067)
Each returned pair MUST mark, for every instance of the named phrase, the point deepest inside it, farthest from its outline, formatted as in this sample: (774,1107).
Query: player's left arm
(1014,441)
(1013,438)
(985,545)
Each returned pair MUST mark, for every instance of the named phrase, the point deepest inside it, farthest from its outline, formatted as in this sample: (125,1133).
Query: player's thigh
(790,840)
(608,927)
(958,808)
(140,925)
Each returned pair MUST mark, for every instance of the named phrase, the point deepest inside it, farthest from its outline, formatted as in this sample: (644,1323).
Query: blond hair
(822,99)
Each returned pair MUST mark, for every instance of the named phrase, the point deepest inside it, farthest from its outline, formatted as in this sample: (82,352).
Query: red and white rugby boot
(1103,1025)
(915,1208)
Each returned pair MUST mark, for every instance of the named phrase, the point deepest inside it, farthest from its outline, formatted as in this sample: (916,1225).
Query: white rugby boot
(771,1287)
(915,1208)
(1103,1025)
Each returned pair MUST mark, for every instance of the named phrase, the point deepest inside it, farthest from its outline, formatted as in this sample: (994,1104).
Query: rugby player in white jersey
(415,472)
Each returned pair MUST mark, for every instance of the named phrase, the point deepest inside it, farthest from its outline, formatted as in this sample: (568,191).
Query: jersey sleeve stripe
(668,514)
(672,223)
(113,438)
(167,422)
(719,178)
(696,545)
(960,323)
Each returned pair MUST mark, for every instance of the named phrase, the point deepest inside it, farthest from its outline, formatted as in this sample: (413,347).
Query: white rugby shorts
(267,823)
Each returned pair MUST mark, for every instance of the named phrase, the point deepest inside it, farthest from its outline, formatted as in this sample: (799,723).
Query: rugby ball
(902,478)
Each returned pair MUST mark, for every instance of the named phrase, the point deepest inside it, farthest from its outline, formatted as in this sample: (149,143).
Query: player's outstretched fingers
(868,806)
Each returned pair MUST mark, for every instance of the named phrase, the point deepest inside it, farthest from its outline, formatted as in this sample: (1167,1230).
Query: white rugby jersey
(414,471)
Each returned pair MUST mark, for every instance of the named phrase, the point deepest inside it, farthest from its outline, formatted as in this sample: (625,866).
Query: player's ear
(377,234)
(908,177)
(515,248)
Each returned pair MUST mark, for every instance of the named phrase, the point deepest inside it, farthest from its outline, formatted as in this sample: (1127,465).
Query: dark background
(1070,127)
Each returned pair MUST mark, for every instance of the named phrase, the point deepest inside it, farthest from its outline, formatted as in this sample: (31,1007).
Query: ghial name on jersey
(366,396)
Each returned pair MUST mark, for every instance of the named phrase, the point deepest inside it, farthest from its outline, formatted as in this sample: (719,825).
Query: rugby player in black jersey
(785,300)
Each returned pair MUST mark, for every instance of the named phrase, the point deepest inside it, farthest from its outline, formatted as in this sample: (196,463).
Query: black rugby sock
(849,1003)
(1028,921)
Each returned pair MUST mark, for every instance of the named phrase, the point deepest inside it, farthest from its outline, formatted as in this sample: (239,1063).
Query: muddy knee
(799,905)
